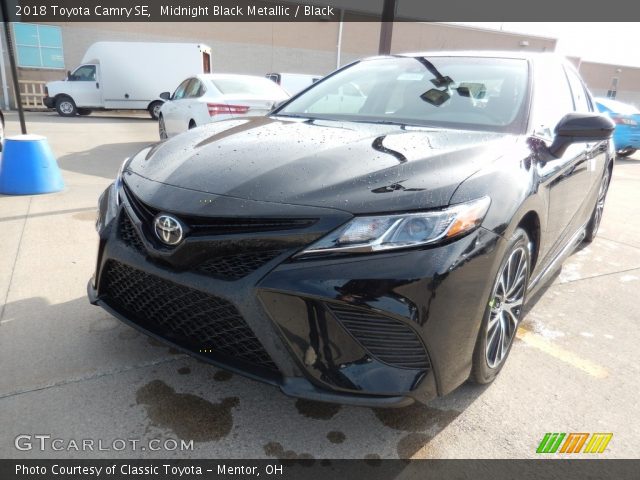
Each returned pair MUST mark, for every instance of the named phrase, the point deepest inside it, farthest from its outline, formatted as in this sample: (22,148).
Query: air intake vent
(192,319)
(385,338)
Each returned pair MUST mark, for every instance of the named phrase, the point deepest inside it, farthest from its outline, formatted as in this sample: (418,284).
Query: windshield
(452,92)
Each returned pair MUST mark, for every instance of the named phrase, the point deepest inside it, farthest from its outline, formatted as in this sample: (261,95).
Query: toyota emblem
(168,229)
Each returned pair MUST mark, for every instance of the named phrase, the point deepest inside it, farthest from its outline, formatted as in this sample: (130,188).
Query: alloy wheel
(506,306)
(602,196)
(66,108)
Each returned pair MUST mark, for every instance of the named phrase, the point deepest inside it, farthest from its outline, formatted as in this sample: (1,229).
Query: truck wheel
(84,111)
(154,109)
(66,107)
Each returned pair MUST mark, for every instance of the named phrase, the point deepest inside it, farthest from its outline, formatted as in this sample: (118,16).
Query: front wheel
(66,107)
(504,311)
(154,110)
(596,216)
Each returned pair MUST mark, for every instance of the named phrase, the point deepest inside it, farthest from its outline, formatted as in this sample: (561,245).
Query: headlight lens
(379,233)
(118,181)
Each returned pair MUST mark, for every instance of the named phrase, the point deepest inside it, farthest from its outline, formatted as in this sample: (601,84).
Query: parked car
(206,98)
(125,76)
(293,82)
(376,256)
(626,136)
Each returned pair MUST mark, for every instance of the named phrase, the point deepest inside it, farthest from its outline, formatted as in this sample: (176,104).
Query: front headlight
(118,181)
(379,233)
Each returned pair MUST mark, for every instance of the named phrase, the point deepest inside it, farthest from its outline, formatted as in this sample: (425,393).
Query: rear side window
(194,89)
(580,99)
(181,90)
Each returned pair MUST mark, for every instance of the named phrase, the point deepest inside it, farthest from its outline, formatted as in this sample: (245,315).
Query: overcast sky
(606,42)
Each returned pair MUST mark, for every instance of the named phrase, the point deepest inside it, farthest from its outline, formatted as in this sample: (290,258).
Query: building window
(38,46)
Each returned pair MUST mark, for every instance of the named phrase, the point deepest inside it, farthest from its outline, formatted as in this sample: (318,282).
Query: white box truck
(126,76)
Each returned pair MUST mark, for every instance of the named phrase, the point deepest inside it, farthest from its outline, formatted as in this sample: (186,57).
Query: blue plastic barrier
(28,167)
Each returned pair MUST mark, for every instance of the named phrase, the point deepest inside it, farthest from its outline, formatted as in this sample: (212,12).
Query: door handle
(97,84)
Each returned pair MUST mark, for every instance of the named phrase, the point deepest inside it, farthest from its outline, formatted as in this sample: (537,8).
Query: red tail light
(623,121)
(221,108)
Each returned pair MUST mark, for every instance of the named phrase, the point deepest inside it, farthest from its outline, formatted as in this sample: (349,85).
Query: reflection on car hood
(357,167)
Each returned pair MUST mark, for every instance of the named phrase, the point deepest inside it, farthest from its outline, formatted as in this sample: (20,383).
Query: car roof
(230,76)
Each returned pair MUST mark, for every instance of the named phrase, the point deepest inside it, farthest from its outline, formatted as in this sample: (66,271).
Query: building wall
(599,78)
(261,47)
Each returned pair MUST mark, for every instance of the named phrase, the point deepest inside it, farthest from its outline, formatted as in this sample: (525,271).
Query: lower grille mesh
(236,266)
(128,233)
(190,318)
(387,339)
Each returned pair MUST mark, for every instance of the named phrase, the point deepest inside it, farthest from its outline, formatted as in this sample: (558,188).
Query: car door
(193,106)
(173,111)
(596,152)
(564,179)
(85,86)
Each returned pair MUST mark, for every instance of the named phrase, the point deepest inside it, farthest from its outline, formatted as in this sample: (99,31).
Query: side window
(181,90)
(553,99)
(579,94)
(85,73)
(194,89)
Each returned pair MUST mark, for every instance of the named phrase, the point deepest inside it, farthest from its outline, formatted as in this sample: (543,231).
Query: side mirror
(580,127)
(165,95)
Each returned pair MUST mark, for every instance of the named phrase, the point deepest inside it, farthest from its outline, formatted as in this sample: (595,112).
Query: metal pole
(3,76)
(386,26)
(12,63)
(339,56)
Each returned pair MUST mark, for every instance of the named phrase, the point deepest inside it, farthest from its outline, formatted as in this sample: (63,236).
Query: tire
(162,129)
(84,111)
(596,216)
(154,109)
(500,323)
(627,152)
(66,107)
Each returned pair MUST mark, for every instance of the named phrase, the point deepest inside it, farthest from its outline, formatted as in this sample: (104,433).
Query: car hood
(356,167)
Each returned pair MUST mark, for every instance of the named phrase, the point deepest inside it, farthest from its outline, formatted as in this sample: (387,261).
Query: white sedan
(211,97)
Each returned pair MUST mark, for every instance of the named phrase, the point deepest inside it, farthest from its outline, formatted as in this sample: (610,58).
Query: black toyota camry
(373,240)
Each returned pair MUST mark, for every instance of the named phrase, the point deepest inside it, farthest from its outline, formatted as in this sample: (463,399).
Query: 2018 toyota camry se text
(373,240)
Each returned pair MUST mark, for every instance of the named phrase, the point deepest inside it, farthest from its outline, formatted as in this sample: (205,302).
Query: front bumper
(375,330)
(49,102)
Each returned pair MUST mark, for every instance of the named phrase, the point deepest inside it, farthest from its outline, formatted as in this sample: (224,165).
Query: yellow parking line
(539,342)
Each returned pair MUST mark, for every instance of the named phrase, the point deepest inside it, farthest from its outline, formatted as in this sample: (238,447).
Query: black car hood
(356,167)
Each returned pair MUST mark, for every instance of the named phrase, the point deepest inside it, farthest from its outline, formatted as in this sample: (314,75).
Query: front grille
(236,266)
(385,338)
(128,233)
(192,319)
(218,225)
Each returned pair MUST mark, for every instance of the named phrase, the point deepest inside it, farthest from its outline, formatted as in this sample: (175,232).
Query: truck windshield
(453,92)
